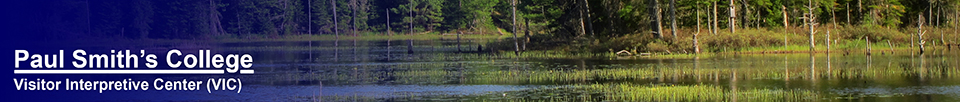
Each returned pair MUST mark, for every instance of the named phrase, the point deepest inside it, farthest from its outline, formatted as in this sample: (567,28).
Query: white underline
(246,71)
(125,71)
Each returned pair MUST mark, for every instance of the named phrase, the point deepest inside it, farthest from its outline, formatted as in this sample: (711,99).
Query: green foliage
(291,15)
(476,14)
(182,19)
(426,14)
(657,46)
(884,13)
(610,20)
(256,17)
(322,17)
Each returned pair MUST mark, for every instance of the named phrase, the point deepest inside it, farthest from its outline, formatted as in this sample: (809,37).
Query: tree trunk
(238,24)
(920,32)
(354,5)
(733,18)
(709,21)
(515,40)
(696,46)
(336,26)
(758,19)
(583,28)
(411,17)
(786,24)
(656,19)
(586,10)
(716,19)
(526,34)
(659,23)
(673,19)
(458,41)
(940,30)
(387,12)
(834,21)
(811,23)
(847,8)
(310,21)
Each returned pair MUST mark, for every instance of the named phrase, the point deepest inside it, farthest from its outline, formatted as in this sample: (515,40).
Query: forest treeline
(185,19)
(177,19)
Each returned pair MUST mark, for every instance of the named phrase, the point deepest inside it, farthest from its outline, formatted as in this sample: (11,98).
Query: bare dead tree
(834,21)
(848,14)
(516,44)
(939,13)
(786,24)
(336,27)
(733,18)
(310,19)
(387,12)
(810,17)
(709,20)
(696,46)
(920,32)
(673,18)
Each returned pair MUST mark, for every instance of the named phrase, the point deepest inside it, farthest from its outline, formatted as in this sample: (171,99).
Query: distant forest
(186,19)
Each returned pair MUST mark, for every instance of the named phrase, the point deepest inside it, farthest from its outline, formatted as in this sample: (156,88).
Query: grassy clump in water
(630,92)
(840,71)
(635,92)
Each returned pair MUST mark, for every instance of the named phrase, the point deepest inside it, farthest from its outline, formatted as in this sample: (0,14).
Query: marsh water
(437,70)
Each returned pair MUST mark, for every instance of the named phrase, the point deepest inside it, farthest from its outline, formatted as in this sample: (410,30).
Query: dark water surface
(436,70)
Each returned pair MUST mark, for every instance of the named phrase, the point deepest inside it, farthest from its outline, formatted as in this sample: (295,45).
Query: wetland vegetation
(543,50)
(436,71)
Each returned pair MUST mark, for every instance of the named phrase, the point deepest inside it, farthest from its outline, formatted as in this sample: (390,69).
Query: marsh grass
(631,92)
(635,92)
(612,92)
(576,75)
(547,54)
